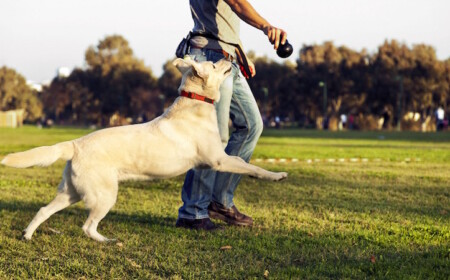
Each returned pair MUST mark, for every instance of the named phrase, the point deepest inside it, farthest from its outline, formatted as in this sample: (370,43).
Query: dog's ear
(183,65)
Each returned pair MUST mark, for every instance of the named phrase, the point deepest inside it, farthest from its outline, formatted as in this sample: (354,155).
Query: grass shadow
(359,135)
(348,195)
(77,211)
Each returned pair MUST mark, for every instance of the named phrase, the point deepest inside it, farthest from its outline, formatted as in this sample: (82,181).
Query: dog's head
(203,78)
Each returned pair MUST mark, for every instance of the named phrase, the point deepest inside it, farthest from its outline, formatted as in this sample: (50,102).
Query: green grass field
(387,218)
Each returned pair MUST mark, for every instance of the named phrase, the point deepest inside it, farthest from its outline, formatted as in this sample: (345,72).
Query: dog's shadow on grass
(75,212)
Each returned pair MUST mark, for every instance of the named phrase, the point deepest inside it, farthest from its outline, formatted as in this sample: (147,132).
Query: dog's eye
(214,66)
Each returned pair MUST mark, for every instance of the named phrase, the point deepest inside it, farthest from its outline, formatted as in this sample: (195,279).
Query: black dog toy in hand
(285,50)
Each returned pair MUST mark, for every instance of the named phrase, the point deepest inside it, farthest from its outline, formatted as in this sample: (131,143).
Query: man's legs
(248,126)
(202,186)
(198,184)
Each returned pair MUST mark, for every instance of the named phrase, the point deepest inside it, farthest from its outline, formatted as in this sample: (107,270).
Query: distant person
(325,123)
(386,118)
(351,121)
(440,114)
(277,122)
(343,122)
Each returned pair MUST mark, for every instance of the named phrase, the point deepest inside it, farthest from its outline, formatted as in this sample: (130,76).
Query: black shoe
(201,224)
(231,215)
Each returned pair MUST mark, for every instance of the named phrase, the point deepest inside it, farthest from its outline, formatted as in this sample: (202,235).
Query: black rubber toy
(285,50)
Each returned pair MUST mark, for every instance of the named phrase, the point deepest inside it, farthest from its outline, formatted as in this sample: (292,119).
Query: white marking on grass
(331,160)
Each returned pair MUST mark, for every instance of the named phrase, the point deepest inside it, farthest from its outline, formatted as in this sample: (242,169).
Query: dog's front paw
(280,176)
(25,236)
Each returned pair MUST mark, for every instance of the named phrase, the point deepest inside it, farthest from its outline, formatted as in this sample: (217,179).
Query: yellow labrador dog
(185,136)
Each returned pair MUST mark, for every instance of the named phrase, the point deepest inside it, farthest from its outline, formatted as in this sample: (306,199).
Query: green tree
(115,81)
(112,53)
(406,79)
(266,85)
(428,81)
(116,74)
(341,70)
(444,87)
(70,99)
(16,94)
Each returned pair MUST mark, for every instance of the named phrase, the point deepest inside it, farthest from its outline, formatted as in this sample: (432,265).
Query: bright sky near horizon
(37,37)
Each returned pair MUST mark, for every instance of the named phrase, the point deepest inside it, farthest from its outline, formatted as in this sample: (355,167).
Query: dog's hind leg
(66,196)
(99,207)
(237,165)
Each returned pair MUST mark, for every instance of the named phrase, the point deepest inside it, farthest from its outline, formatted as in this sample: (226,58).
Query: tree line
(326,82)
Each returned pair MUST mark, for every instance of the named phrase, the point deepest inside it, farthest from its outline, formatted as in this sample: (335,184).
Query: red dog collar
(196,96)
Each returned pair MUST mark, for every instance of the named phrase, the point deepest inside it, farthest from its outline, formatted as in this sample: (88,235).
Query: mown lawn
(386,218)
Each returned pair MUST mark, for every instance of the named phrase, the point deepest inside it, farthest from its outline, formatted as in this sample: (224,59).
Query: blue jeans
(238,104)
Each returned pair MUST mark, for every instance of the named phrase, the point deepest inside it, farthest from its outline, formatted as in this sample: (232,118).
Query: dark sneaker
(201,224)
(231,215)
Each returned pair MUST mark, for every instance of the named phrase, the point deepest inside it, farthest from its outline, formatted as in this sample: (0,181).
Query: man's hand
(252,67)
(275,34)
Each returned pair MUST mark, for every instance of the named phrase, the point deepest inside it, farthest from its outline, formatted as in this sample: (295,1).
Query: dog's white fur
(185,136)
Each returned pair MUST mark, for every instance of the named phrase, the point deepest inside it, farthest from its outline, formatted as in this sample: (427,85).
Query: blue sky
(37,37)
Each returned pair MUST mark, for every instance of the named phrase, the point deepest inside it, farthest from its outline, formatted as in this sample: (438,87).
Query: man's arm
(247,13)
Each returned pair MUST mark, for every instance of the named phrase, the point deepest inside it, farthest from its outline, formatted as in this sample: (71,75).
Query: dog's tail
(42,156)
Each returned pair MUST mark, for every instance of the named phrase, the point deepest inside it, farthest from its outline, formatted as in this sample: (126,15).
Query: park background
(368,202)
(381,64)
